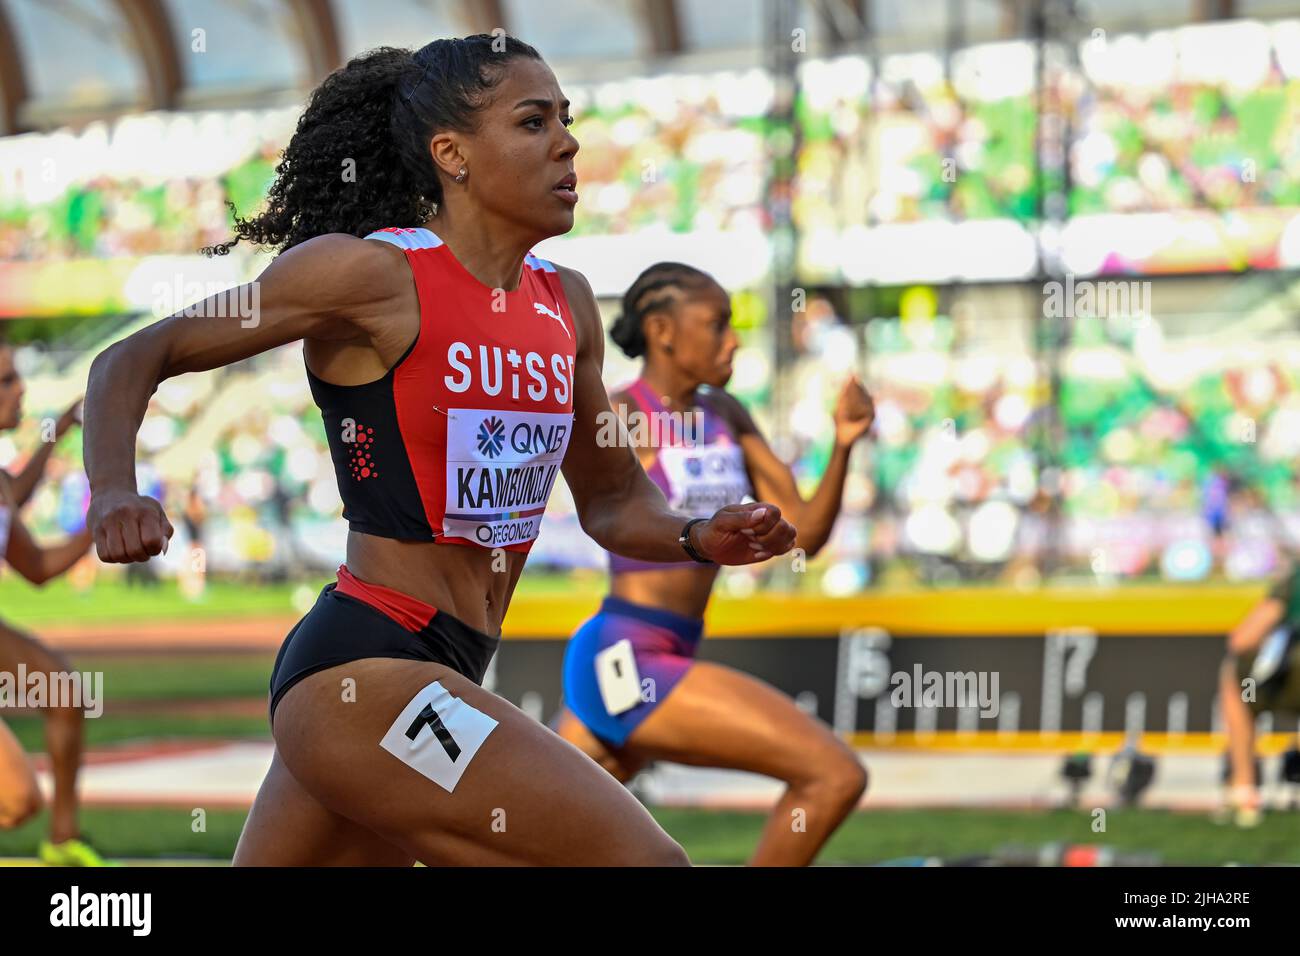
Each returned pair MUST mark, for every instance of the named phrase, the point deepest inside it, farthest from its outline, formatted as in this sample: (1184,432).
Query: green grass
(132,677)
(877,836)
(145,833)
(729,837)
(109,600)
(108,731)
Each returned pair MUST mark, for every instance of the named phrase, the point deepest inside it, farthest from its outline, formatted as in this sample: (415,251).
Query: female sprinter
(20,797)
(633,689)
(1260,674)
(456,374)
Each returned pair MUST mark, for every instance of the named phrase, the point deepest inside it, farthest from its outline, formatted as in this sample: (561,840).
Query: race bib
(704,478)
(438,735)
(617,677)
(1272,652)
(501,466)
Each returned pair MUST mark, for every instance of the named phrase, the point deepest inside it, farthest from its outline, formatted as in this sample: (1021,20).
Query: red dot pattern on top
(359,459)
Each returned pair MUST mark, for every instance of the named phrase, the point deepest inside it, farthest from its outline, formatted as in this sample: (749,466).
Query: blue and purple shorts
(663,644)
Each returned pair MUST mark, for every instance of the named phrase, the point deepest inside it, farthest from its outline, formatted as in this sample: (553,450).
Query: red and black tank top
(462,441)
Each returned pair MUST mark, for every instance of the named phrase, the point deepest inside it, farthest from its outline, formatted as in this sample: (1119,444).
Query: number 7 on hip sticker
(616,674)
(437,735)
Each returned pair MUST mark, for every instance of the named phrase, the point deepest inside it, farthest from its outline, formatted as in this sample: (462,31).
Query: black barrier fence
(868,681)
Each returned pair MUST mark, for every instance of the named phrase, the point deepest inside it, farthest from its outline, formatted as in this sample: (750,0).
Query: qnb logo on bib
(491,436)
(501,466)
(702,479)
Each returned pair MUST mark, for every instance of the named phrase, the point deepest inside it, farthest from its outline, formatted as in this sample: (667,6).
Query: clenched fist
(854,413)
(127,527)
(743,534)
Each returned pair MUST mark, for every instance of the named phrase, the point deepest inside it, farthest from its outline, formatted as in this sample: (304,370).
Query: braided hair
(662,287)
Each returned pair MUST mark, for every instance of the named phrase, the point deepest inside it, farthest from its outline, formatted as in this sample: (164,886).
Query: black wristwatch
(684,539)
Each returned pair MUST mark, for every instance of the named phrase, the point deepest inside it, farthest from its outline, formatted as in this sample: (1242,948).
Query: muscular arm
(618,505)
(774,481)
(38,564)
(1262,619)
(29,559)
(25,482)
(333,287)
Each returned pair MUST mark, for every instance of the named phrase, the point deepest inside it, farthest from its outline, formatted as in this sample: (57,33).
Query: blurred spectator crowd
(1172,455)
(1201,117)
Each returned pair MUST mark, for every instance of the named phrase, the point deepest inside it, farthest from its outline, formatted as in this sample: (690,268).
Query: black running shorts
(352,620)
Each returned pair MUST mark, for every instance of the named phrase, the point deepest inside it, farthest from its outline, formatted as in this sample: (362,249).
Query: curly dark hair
(379,111)
(659,287)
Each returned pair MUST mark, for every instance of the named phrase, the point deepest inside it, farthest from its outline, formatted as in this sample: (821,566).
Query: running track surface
(226,774)
(265,633)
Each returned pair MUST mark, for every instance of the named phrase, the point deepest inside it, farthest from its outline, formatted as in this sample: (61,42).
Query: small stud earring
(460,177)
